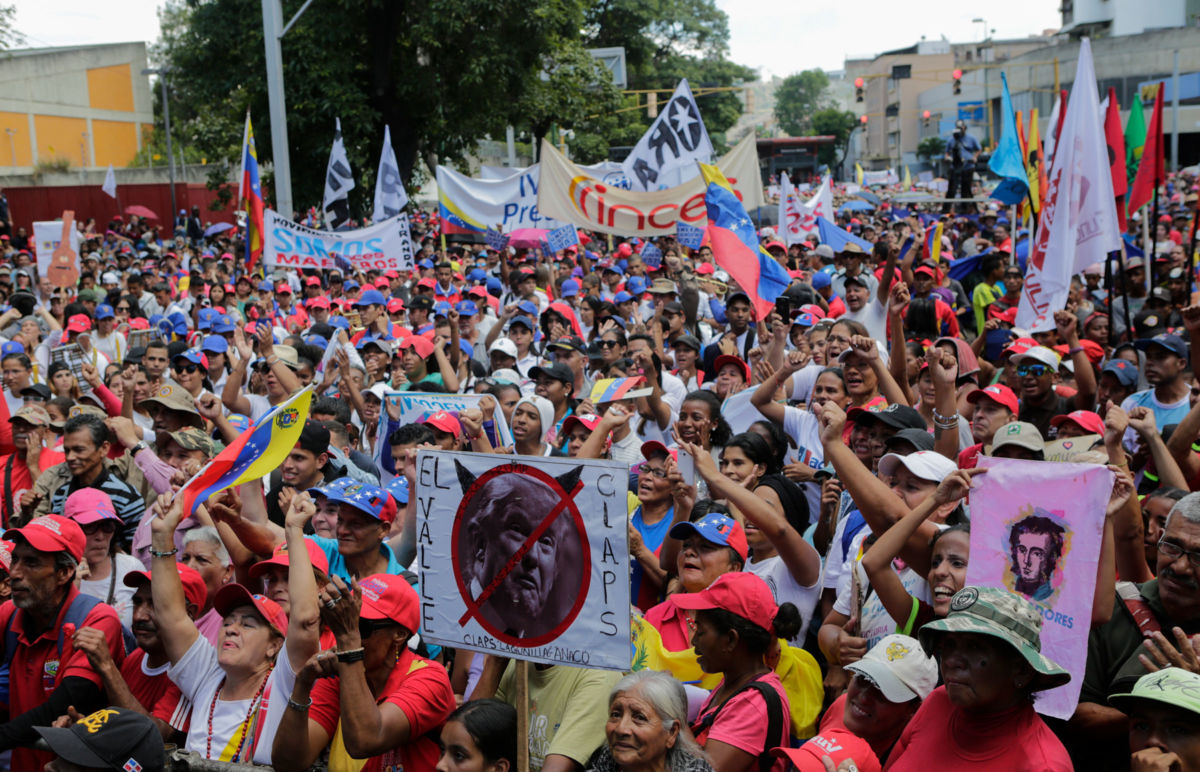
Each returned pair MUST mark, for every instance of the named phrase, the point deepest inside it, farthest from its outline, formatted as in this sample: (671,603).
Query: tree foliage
(832,121)
(797,98)
(931,147)
(10,37)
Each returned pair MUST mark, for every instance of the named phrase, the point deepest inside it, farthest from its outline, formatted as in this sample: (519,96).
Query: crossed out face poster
(524,557)
(1036,529)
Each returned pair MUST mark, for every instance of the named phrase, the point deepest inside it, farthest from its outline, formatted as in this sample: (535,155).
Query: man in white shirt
(105,339)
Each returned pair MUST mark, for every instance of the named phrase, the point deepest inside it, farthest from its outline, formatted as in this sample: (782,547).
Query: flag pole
(1124,294)
(1192,252)
(1108,289)
(1152,269)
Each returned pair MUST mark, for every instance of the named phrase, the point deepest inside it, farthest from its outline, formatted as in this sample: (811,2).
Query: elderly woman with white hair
(647,729)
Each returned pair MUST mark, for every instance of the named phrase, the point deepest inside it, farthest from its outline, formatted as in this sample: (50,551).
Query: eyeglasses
(190,367)
(647,469)
(1173,552)
(366,627)
(1037,371)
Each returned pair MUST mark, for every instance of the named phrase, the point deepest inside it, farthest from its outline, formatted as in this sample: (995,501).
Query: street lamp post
(161,72)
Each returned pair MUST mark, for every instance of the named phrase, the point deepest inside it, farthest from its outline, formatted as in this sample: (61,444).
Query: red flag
(1151,171)
(1115,139)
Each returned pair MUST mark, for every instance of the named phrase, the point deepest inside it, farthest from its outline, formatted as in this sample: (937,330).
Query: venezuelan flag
(735,244)
(933,241)
(250,198)
(254,454)
(610,389)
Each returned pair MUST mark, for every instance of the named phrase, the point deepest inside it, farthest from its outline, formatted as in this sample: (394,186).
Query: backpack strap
(1138,608)
(774,720)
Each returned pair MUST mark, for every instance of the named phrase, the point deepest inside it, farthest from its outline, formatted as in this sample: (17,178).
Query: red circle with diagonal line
(566,505)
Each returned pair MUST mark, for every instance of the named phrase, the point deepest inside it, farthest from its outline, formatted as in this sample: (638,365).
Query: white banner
(338,183)
(390,195)
(413,407)
(1078,222)
(525,557)
(385,246)
(796,218)
(568,193)
(667,153)
(46,238)
(882,177)
(608,172)
(476,205)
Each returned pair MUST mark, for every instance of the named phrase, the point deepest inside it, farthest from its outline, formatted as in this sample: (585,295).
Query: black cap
(920,439)
(691,341)
(556,370)
(420,303)
(110,738)
(38,391)
(674,307)
(570,343)
(314,438)
(894,415)
(860,279)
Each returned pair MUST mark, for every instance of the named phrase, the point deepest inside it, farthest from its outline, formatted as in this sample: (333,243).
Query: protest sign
(46,238)
(1070,449)
(385,246)
(525,557)
(667,153)
(569,194)
(476,205)
(689,235)
(411,407)
(1036,530)
(739,413)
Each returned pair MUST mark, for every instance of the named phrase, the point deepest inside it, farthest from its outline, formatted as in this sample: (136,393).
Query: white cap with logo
(899,667)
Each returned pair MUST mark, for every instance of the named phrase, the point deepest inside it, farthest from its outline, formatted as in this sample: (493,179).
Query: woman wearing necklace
(238,689)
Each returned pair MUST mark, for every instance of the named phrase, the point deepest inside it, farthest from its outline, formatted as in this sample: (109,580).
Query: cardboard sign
(1036,531)
(525,557)
(47,236)
(1071,448)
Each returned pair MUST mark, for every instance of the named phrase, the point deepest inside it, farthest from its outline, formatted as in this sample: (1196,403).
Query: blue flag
(496,240)
(561,238)
(689,235)
(838,238)
(1007,162)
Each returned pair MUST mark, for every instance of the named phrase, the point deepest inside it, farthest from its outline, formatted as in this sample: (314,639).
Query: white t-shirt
(802,427)
(875,622)
(113,346)
(629,450)
(803,381)
(199,677)
(785,588)
(873,316)
(122,595)
(259,406)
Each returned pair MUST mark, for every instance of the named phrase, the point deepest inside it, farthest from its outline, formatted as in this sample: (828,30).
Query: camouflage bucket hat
(1171,686)
(999,614)
(191,438)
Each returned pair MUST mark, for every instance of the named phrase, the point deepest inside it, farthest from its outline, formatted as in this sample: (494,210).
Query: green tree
(573,92)
(931,148)
(797,98)
(9,36)
(839,124)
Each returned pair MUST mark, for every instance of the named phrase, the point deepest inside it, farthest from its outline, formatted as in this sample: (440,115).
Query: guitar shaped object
(63,271)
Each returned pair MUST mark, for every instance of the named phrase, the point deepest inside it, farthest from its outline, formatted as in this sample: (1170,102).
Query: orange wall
(115,142)
(110,88)
(61,134)
(19,122)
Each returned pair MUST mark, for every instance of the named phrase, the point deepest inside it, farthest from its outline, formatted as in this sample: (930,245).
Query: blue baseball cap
(466,347)
(523,320)
(215,344)
(370,297)
(442,307)
(1123,370)
(804,320)
(477,275)
(426,263)
(493,284)
(193,355)
(266,286)
(820,280)
(636,285)
(622,297)
(204,318)
(467,308)
(104,311)
(715,528)
(528,307)
(366,498)
(320,341)
(350,284)
(11,347)
(1172,343)
(340,322)
(238,421)
(570,288)
(398,487)
(222,324)
(179,322)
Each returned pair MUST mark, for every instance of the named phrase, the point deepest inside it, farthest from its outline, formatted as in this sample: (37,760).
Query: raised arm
(898,357)
(1127,526)
(888,387)
(304,619)
(763,398)
(889,273)
(231,394)
(1141,419)
(943,368)
(1085,375)
(176,629)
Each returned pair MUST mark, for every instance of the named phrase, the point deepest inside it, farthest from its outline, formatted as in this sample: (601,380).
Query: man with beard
(1149,621)
(1035,544)
(140,683)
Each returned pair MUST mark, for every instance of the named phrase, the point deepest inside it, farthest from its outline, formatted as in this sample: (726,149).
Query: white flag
(1078,224)
(799,218)
(1048,142)
(390,195)
(667,153)
(338,183)
(110,182)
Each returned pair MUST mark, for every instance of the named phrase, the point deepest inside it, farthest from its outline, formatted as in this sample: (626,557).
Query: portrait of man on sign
(527,586)
(1035,548)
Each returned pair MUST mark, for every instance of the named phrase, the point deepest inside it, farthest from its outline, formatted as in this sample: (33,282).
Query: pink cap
(395,306)
(423,346)
(51,533)
(382,283)
(79,323)
(1087,420)
(283,287)
(589,421)
(445,422)
(89,505)
(427,282)
(312,281)
(320,301)
(385,596)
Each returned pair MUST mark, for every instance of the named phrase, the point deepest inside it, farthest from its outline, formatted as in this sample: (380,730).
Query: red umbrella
(141,211)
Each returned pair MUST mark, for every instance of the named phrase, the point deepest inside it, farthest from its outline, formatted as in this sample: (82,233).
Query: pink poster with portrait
(1036,528)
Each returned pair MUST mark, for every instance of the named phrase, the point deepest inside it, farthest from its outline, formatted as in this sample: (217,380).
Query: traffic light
(863,120)
(925,118)
(858,89)
(957,81)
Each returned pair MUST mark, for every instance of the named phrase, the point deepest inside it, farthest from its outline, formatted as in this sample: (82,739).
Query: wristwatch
(138,448)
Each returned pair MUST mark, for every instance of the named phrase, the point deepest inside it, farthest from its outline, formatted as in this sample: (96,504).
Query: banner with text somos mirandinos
(385,246)
(525,557)
(569,194)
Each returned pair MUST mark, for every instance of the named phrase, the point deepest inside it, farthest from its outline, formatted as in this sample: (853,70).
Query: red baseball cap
(79,323)
(381,283)
(1008,315)
(813,309)
(838,745)
(998,393)
(89,505)
(1087,420)
(738,592)
(445,422)
(656,448)
(320,301)
(231,596)
(385,596)
(423,346)
(589,422)
(312,281)
(1019,346)
(283,288)
(194,588)
(427,282)
(730,359)
(138,323)
(395,306)
(391,274)
(51,533)
(705,269)
(316,556)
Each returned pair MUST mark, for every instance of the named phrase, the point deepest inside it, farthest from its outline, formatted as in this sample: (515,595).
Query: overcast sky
(777,36)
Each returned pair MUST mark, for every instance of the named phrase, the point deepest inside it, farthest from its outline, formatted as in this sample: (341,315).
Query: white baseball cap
(899,667)
(925,464)
(1041,354)
(504,346)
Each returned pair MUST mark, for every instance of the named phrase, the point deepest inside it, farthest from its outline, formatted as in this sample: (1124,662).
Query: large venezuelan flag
(251,200)
(735,244)
(255,453)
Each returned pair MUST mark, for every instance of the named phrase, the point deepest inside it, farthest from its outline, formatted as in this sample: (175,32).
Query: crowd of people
(280,624)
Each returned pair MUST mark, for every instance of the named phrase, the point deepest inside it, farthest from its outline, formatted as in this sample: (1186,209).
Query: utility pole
(273,31)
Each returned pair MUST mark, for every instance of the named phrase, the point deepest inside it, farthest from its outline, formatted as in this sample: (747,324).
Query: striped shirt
(129,504)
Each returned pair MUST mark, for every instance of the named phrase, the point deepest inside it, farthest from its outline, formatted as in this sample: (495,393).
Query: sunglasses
(366,627)
(190,367)
(609,343)
(1037,371)
(123,308)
